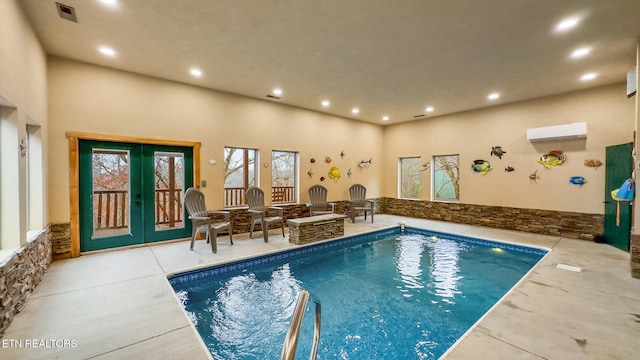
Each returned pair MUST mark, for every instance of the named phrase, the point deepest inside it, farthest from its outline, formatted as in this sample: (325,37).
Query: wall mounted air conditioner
(558,132)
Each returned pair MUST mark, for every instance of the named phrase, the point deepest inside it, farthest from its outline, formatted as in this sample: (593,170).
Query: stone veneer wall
(20,274)
(61,241)
(635,255)
(547,222)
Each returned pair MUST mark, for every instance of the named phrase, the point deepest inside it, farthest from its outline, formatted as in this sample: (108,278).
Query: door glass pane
(111,194)
(169,189)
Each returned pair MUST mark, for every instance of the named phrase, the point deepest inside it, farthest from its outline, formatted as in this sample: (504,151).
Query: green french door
(617,215)
(132,193)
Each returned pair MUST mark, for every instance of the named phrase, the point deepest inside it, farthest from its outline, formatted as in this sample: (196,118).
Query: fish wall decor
(334,173)
(327,160)
(593,163)
(349,172)
(577,180)
(509,169)
(310,173)
(552,158)
(497,151)
(533,177)
(364,163)
(342,154)
(481,166)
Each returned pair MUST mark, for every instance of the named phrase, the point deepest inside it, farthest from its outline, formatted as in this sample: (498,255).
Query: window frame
(455,183)
(418,175)
(246,178)
(296,177)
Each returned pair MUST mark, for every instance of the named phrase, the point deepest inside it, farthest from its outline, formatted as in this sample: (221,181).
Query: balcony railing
(111,208)
(279,194)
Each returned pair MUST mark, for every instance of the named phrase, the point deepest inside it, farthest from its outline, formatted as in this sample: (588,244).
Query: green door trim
(617,215)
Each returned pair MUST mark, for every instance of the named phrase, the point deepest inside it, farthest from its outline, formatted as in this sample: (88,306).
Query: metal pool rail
(291,340)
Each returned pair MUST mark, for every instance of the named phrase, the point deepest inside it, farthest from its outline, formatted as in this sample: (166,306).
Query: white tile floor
(119,305)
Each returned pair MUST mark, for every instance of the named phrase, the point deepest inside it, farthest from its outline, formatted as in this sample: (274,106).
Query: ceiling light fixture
(493,96)
(429,109)
(566,24)
(325,103)
(355,111)
(588,77)
(277,92)
(385,118)
(107,51)
(109,2)
(581,52)
(195,72)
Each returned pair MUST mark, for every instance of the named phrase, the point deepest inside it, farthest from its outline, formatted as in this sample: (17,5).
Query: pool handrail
(291,340)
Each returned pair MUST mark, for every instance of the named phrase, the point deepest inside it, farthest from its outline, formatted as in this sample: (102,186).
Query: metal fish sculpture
(364,163)
(310,173)
(497,151)
(426,166)
(327,160)
(509,169)
(593,163)
(321,178)
(481,166)
(553,158)
(577,180)
(313,161)
(534,177)
(334,173)
(349,172)
(342,154)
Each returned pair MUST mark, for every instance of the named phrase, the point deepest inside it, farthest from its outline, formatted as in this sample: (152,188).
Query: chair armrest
(253,211)
(308,204)
(199,218)
(333,206)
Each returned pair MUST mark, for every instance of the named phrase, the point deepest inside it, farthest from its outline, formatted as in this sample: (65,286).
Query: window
(240,172)
(35,185)
(445,178)
(9,180)
(284,177)
(410,178)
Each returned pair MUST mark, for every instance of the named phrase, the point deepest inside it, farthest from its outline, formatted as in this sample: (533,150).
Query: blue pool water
(388,295)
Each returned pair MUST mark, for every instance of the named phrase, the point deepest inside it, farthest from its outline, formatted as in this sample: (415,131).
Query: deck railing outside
(279,194)
(112,212)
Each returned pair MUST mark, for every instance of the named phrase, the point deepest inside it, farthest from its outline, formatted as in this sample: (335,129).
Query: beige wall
(24,98)
(610,121)
(87,98)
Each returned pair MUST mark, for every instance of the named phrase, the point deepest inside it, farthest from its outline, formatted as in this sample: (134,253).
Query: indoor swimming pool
(392,294)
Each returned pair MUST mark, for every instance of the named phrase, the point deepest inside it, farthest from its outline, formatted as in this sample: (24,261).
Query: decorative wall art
(426,166)
(349,172)
(593,163)
(577,180)
(364,163)
(497,151)
(327,160)
(334,173)
(533,177)
(481,166)
(552,158)
(310,173)
(509,169)
(342,154)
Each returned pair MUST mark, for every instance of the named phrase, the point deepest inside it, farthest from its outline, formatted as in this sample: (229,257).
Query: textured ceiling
(391,58)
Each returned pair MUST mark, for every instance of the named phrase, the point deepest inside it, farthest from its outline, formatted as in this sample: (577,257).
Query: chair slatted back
(318,198)
(195,203)
(358,194)
(255,198)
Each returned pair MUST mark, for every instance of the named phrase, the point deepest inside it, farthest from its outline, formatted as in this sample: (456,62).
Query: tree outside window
(410,178)
(284,174)
(239,174)
(446,178)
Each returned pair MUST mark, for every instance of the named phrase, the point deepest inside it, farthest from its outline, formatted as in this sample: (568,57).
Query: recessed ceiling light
(195,72)
(355,111)
(325,103)
(566,24)
(277,92)
(578,53)
(109,2)
(107,51)
(589,76)
(493,96)
(429,109)
(385,118)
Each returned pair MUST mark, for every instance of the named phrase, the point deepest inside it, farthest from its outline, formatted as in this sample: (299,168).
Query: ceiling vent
(274,97)
(418,116)
(66,12)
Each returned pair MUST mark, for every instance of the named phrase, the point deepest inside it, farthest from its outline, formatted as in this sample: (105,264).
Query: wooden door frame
(74,171)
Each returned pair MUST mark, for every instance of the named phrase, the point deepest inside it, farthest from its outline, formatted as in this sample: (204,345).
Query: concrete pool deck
(118,304)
